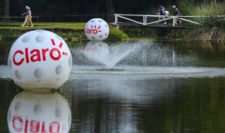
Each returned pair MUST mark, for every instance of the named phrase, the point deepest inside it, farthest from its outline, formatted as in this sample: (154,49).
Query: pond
(136,86)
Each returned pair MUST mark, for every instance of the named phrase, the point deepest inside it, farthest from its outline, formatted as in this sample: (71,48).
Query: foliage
(117,34)
(204,9)
(49,8)
(209,9)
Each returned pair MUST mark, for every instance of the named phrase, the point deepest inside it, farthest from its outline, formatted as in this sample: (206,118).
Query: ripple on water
(136,72)
(146,72)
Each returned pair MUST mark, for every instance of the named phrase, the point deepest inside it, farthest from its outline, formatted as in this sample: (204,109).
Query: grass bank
(69,31)
(211,10)
(213,28)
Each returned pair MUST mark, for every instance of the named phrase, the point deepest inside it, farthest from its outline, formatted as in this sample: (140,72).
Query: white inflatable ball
(96,29)
(39,59)
(39,113)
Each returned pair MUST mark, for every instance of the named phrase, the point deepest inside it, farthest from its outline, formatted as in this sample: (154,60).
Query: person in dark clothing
(163,13)
(175,11)
(176,14)
(161,10)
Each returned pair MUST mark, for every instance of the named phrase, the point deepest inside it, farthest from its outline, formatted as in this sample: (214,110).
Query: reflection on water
(34,112)
(109,56)
(120,105)
(165,92)
(4,50)
(158,105)
(147,53)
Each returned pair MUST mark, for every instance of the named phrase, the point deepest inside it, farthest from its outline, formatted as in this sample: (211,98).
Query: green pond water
(128,87)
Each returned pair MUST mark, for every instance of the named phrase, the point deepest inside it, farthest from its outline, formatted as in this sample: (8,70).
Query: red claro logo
(38,55)
(19,124)
(93,30)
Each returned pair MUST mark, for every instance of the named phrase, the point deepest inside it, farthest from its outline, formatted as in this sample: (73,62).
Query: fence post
(144,20)
(116,18)
(174,20)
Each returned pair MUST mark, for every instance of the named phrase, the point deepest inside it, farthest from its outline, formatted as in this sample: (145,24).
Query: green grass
(203,9)
(71,31)
(209,9)
(42,25)
(117,34)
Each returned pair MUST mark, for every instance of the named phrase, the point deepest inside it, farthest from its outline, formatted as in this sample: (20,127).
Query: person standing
(163,13)
(28,17)
(176,14)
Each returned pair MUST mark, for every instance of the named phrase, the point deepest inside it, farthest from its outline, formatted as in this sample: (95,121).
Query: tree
(109,10)
(6,7)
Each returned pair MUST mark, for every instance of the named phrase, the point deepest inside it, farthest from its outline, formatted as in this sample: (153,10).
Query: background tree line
(105,8)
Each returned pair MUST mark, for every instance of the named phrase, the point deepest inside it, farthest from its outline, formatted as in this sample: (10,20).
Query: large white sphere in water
(39,59)
(96,29)
(39,113)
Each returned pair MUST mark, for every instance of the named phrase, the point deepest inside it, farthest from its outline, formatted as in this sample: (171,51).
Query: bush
(209,9)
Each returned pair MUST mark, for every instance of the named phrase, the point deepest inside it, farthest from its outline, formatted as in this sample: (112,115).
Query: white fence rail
(144,18)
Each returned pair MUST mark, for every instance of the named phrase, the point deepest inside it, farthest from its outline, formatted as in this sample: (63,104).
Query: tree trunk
(6,9)
(109,10)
